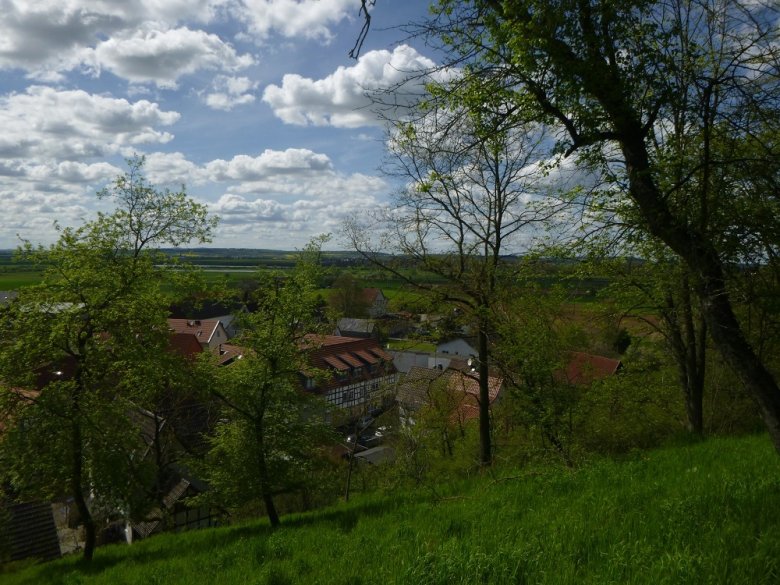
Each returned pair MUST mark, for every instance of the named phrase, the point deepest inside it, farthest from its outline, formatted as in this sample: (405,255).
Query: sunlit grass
(706,513)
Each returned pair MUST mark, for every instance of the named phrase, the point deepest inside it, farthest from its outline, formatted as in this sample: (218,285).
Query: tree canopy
(75,347)
(670,101)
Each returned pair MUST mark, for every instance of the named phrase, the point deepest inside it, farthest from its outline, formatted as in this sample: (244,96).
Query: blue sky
(254,105)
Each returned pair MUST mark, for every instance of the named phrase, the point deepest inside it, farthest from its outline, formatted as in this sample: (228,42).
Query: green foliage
(76,346)
(633,521)
(269,438)
(637,409)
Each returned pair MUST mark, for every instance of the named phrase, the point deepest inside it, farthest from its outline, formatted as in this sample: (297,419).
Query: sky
(253,105)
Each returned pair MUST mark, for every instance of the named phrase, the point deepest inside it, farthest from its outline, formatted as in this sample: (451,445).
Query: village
(376,391)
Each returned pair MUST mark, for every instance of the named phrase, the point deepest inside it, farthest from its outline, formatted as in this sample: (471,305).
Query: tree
(470,171)
(623,81)
(662,287)
(81,336)
(347,298)
(267,440)
(532,338)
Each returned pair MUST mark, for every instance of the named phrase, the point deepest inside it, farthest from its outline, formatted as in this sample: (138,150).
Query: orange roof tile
(585,368)
(334,361)
(351,360)
(203,329)
(367,356)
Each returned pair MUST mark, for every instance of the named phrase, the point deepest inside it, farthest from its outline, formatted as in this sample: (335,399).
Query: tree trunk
(77,490)
(703,261)
(77,465)
(485,450)
(687,344)
(270,508)
(262,468)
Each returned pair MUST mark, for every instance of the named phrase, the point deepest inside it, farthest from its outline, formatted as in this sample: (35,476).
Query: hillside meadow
(701,513)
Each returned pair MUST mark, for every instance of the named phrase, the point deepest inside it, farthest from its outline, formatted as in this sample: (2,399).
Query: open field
(704,513)
(16,280)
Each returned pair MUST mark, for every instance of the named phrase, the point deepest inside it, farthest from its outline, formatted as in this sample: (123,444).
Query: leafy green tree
(469,166)
(269,438)
(81,336)
(623,80)
(347,298)
(531,345)
(659,293)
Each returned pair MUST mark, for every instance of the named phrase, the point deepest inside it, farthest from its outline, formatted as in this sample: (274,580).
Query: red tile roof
(202,329)
(336,362)
(228,353)
(367,356)
(585,368)
(463,386)
(352,360)
(328,352)
(380,353)
(185,344)
(370,294)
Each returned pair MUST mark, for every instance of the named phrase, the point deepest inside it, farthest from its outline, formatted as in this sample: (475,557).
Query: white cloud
(149,40)
(229,92)
(287,224)
(310,19)
(162,57)
(49,35)
(30,213)
(293,161)
(340,99)
(74,124)
(172,169)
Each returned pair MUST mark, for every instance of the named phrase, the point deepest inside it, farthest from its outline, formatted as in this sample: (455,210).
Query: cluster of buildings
(364,379)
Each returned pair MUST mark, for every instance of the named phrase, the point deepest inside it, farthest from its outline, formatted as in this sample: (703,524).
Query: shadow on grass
(196,543)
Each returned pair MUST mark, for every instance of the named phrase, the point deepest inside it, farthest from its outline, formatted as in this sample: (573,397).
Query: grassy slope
(708,513)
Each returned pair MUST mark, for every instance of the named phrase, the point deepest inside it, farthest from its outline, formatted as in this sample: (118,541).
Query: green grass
(16,280)
(706,513)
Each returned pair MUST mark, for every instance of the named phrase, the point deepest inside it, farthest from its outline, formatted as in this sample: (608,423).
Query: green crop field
(16,280)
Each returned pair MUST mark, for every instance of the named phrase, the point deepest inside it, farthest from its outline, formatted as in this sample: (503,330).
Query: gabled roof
(344,353)
(367,356)
(202,329)
(186,345)
(228,353)
(32,531)
(584,368)
(414,391)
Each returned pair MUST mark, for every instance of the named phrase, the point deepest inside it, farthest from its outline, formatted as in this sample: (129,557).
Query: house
(582,369)
(210,333)
(353,327)
(174,514)
(459,346)
(186,345)
(228,353)
(31,531)
(456,390)
(210,310)
(375,302)
(360,370)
